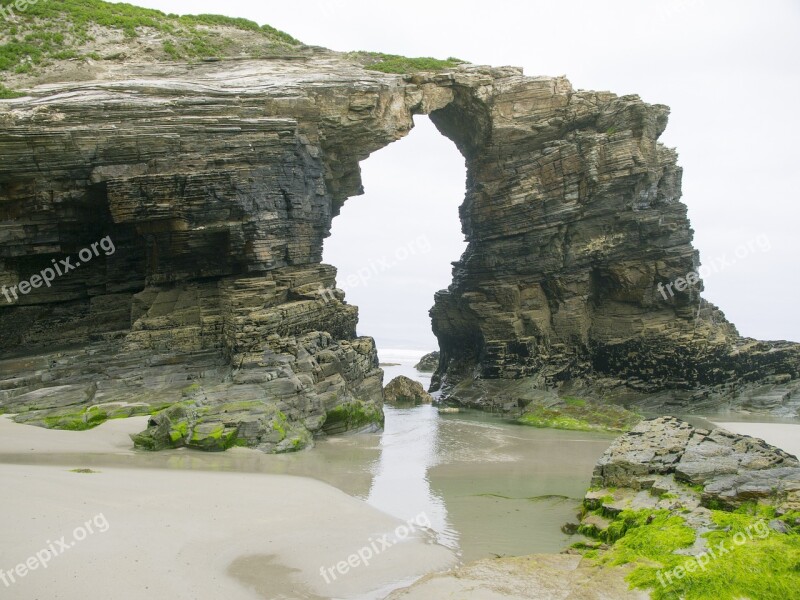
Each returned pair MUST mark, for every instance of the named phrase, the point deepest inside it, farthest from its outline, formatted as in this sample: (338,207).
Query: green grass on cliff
(6,93)
(52,30)
(759,562)
(392,63)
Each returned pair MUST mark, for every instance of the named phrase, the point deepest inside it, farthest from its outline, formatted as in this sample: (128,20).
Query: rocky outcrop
(216,199)
(428,363)
(215,184)
(672,500)
(404,391)
(574,220)
(731,469)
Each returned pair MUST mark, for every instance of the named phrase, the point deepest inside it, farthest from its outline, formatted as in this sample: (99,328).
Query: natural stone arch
(572,215)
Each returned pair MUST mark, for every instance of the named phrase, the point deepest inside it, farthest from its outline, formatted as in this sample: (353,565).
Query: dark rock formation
(403,391)
(428,363)
(217,182)
(574,219)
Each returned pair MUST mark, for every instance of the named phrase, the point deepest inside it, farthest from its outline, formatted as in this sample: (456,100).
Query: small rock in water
(779,526)
(428,363)
(402,390)
(569,528)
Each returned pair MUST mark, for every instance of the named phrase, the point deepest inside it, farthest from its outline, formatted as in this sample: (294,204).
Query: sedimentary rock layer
(216,184)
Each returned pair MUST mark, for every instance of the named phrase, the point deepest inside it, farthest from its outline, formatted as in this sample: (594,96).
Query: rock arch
(216,306)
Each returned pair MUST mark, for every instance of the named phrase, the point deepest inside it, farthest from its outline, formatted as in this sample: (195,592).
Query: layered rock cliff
(216,183)
(575,225)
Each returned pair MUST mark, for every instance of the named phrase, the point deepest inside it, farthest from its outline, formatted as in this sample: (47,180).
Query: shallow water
(488,487)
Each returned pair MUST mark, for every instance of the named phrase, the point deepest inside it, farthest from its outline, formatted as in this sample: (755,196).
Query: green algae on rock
(355,415)
(579,415)
(662,503)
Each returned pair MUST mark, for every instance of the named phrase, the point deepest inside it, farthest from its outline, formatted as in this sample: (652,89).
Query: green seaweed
(757,562)
(576,414)
(354,414)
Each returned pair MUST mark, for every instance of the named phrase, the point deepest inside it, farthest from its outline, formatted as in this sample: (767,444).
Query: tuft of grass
(59,30)
(393,63)
(83,471)
(7,94)
(171,49)
(238,23)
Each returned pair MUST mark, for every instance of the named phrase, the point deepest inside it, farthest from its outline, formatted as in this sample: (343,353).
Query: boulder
(404,391)
(428,363)
(727,469)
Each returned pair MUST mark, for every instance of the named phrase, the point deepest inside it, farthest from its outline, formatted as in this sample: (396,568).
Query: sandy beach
(188,534)
(184,524)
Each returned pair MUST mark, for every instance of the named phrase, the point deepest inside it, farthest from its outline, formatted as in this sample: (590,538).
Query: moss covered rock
(355,415)
(579,414)
(697,540)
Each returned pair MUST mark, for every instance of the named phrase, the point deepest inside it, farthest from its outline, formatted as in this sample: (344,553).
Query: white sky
(728,68)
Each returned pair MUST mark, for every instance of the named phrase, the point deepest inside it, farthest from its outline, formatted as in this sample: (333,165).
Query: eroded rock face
(574,219)
(217,184)
(217,188)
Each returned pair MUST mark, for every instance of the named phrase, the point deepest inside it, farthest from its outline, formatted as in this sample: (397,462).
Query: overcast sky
(728,69)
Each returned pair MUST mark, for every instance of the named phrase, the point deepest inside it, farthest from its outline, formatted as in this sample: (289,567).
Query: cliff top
(48,41)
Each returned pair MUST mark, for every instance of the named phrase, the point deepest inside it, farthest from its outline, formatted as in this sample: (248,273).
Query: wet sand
(242,524)
(189,534)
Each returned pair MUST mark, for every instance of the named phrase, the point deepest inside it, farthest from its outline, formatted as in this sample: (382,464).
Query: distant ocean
(405,359)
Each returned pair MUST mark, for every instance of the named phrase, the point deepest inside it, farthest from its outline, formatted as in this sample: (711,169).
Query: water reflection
(487,486)
(401,486)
